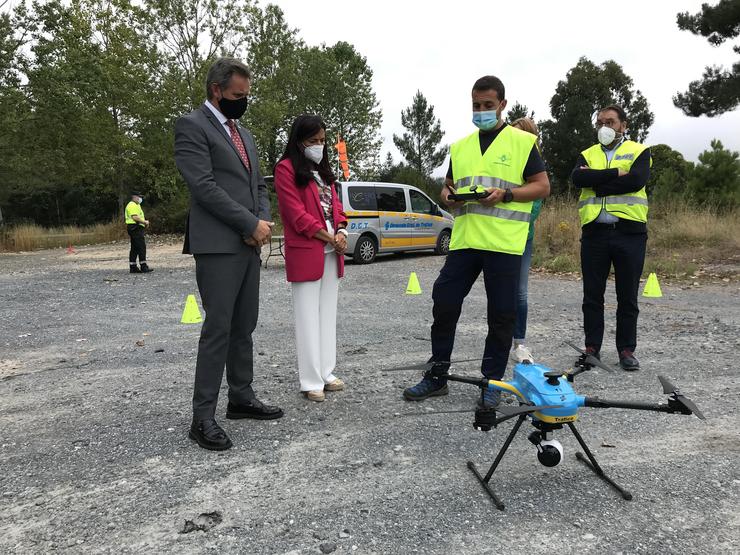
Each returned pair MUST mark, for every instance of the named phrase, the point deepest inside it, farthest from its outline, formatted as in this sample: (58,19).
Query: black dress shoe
(145,269)
(134,270)
(254,409)
(628,361)
(209,435)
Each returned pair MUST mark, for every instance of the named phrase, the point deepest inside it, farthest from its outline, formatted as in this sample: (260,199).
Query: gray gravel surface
(93,426)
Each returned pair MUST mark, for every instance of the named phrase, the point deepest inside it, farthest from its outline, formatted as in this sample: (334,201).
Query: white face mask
(139,200)
(607,135)
(315,153)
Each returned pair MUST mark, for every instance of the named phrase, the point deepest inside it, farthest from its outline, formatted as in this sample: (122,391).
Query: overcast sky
(441,49)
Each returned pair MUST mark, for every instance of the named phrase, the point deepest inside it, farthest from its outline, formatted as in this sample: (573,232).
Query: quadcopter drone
(548,399)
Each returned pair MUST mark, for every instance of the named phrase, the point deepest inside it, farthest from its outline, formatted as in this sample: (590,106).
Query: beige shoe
(336,385)
(317,396)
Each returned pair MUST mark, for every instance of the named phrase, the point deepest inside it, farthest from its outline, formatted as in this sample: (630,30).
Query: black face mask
(233,109)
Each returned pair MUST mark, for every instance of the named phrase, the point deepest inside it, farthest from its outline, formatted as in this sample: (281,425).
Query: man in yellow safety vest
(489,235)
(135,224)
(613,208)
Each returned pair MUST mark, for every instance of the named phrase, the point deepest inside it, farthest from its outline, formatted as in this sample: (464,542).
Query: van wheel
(443,242)
(365,250)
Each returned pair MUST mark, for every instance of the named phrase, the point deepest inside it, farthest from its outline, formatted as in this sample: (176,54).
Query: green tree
(420,144)
(192,34)
(719,90)
(337,85)
(14,30)
(408,175)
(716,178)
(669,174)
(587,87)
(90,90)
(91,86)
(519,111)
(276,82)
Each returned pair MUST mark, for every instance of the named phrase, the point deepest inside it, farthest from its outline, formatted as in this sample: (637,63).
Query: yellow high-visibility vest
(134,209)
(503,227)
(628,206)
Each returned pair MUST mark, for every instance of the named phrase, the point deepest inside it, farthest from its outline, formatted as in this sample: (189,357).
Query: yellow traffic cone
(652,287)
(413,288)
(191,314)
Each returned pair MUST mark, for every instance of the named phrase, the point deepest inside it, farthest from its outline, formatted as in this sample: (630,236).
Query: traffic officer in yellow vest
(613,209)
(489,235)
(135,224)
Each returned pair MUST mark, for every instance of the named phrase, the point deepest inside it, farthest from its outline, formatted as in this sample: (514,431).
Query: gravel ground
(95,455)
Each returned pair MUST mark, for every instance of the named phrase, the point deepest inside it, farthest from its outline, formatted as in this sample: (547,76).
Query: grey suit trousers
(229,290)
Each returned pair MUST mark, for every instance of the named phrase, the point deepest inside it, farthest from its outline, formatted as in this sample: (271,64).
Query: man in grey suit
(229,221)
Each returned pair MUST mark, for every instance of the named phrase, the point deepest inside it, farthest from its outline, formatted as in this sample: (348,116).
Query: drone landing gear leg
(484,481)
(593,465)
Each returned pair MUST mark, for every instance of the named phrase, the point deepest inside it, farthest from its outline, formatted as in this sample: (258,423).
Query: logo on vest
(504,159)
(629,156)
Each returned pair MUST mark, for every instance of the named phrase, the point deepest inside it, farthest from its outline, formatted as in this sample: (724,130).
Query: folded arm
(609,182)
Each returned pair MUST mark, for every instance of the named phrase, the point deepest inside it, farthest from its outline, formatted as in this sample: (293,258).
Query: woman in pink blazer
(315,240)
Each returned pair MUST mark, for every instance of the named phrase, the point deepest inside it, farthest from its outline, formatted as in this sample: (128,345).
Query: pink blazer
(302,215)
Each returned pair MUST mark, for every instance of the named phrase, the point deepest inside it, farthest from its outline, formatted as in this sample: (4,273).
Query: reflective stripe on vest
(504,227)
(478,208)
(628,206)
(485,182)
(628,200)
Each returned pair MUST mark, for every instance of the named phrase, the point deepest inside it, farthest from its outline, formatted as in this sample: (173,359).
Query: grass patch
(681,238)
(28,237)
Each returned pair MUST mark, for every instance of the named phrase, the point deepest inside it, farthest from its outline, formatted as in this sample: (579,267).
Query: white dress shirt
(221,118)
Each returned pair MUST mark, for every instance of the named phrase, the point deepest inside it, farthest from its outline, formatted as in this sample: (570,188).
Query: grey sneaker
(521,353)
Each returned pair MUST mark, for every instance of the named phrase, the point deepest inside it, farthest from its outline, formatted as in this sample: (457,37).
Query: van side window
(420,203)
(362,198)
(391,199)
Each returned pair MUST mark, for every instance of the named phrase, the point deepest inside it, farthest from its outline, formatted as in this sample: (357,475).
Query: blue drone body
(537,385)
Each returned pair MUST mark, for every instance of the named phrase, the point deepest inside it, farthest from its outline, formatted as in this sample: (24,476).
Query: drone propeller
(428,365)
(670,389)
(589,358)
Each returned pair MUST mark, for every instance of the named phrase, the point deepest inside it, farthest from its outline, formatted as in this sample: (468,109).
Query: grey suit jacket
(226,200)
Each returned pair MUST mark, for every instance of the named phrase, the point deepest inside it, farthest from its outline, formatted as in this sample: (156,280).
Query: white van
(389,217)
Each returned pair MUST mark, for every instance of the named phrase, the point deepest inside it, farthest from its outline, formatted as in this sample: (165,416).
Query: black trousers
(229,289)
(138,244)
(601,247)
(501,279)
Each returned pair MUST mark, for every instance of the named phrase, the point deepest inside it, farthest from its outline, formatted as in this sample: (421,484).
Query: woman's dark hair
(305,127)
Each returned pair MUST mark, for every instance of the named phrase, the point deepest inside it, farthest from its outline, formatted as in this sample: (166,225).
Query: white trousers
(315,314)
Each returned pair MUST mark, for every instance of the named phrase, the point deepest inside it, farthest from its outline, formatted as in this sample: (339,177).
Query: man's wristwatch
(508,196)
